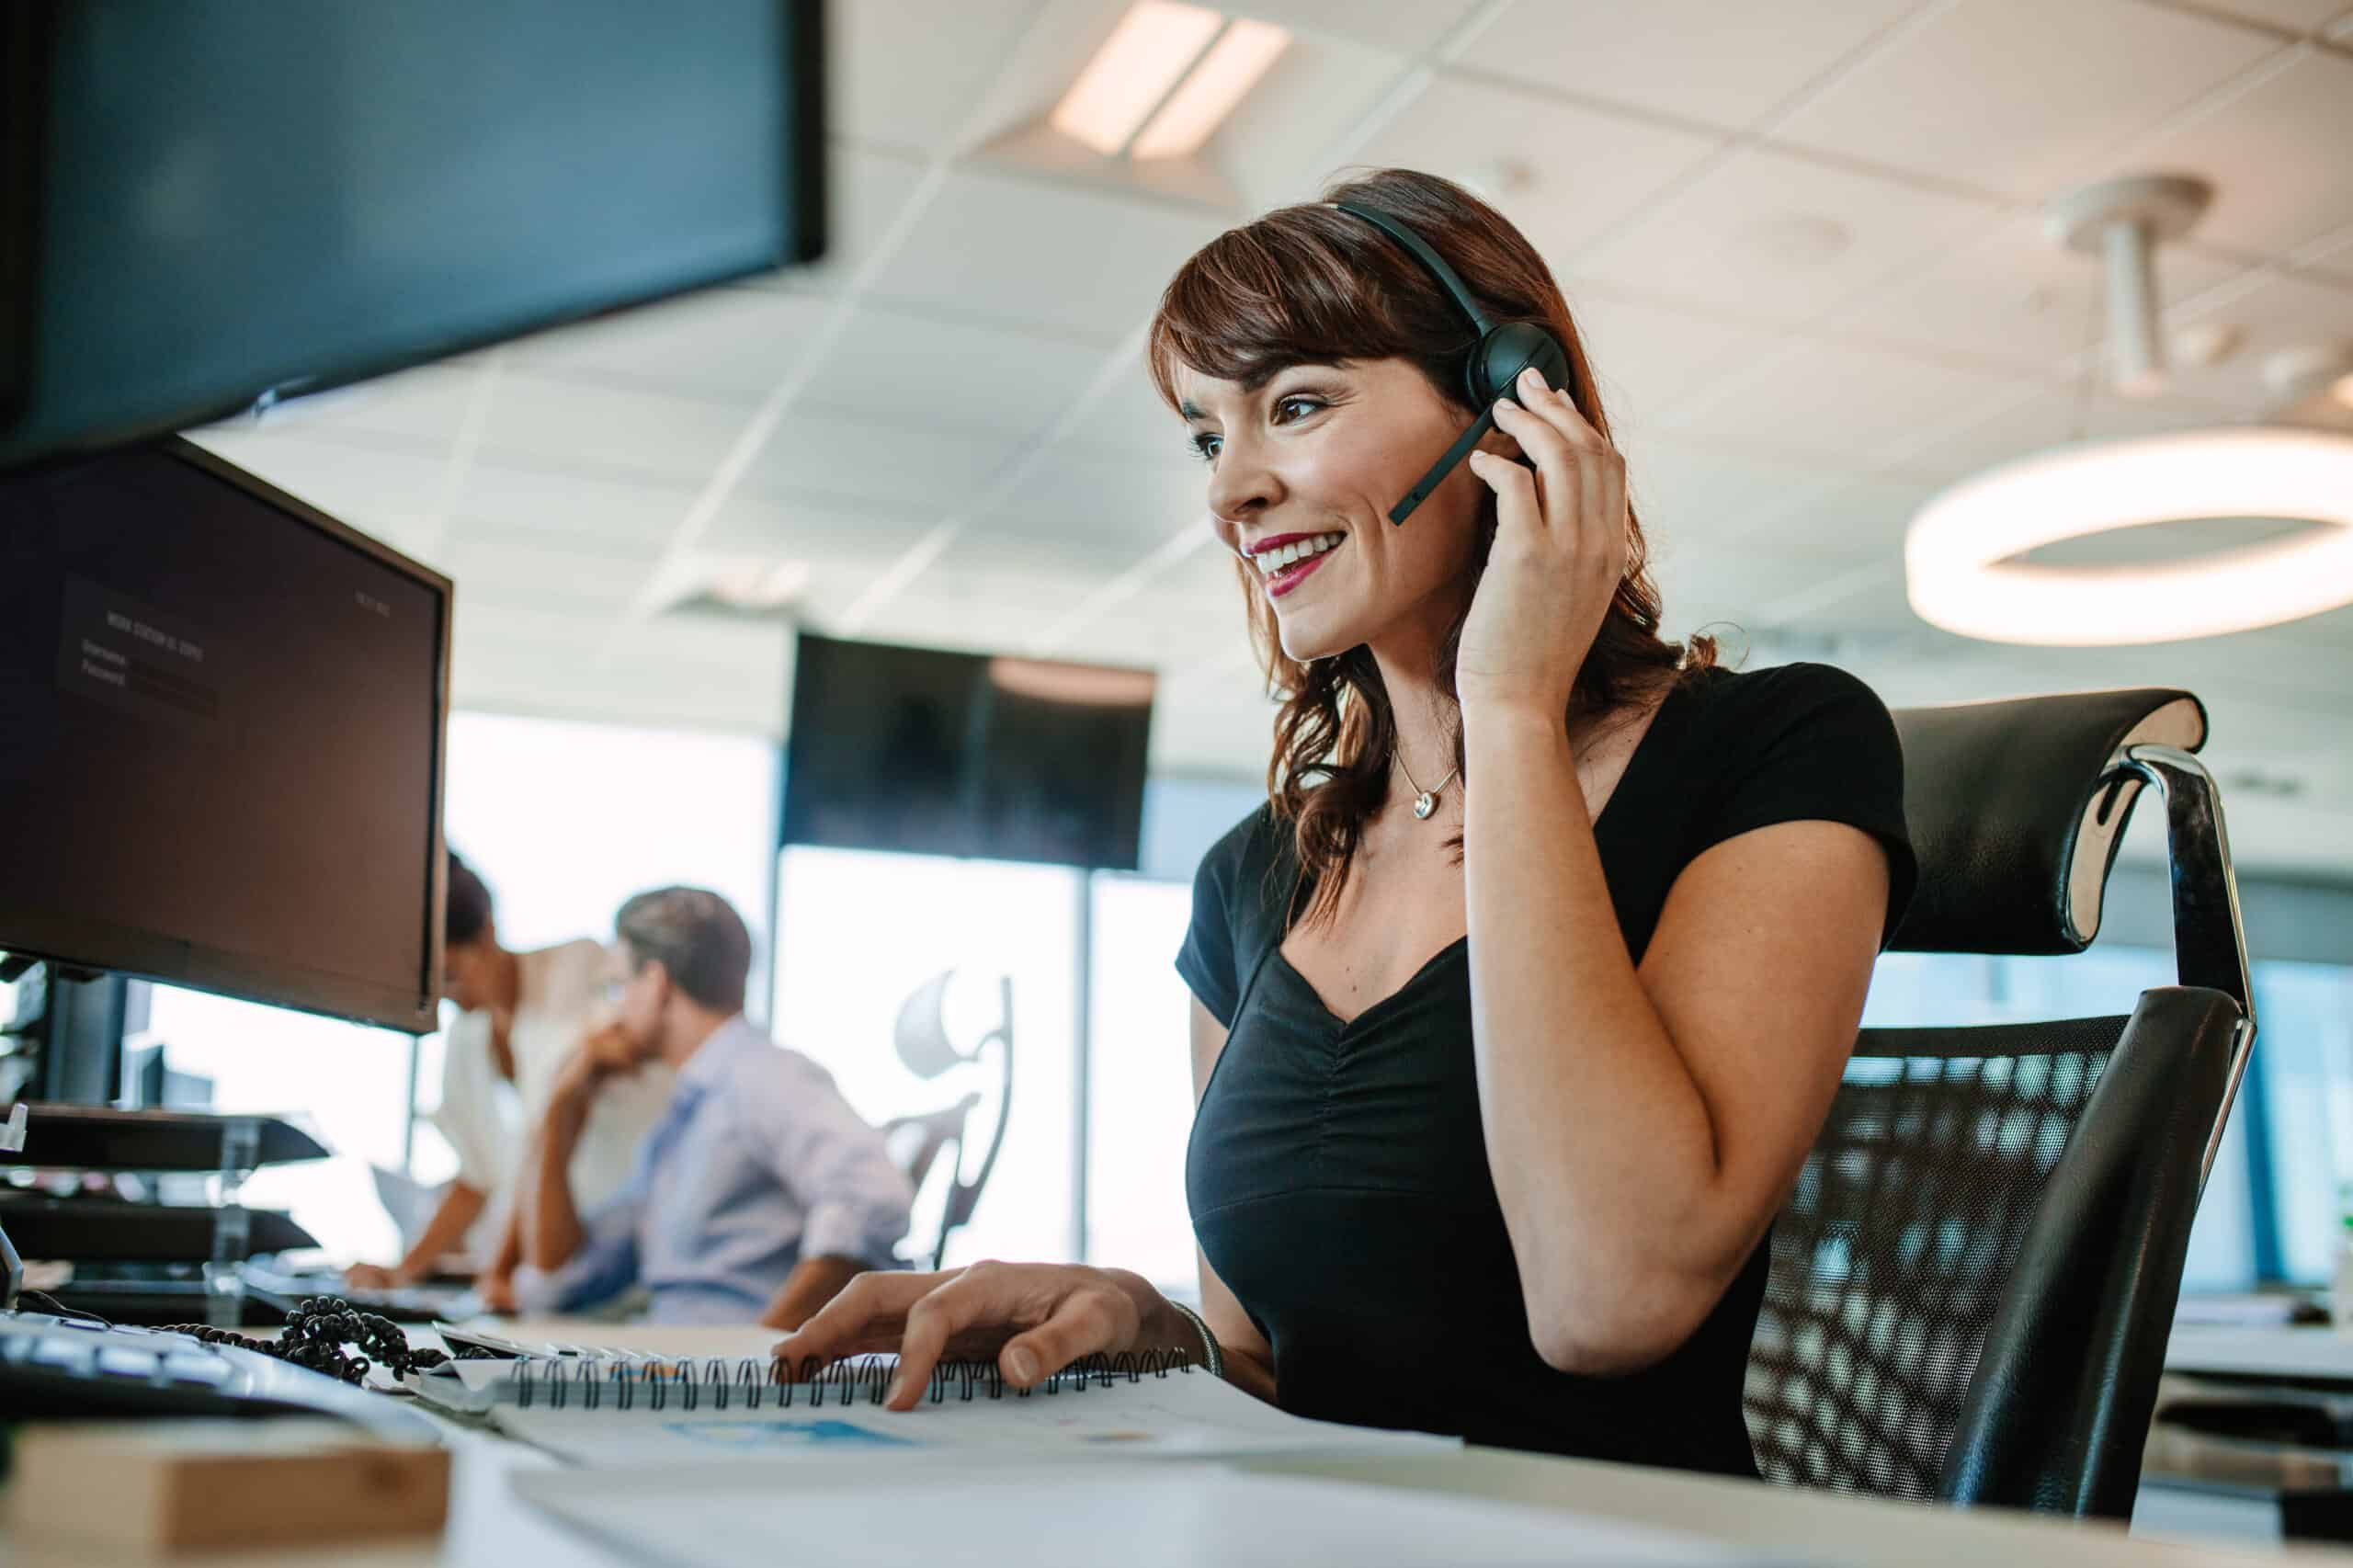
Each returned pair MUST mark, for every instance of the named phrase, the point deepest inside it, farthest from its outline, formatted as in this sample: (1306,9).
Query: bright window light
(1960,575)
(1150,50)
(1199,106)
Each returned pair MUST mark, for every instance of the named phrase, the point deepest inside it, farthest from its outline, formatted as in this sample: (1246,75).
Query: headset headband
(1433,263)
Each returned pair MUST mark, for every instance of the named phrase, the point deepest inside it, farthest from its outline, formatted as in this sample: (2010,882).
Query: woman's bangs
(1254,302)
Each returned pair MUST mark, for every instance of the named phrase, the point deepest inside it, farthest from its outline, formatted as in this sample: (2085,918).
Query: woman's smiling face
(1302,472)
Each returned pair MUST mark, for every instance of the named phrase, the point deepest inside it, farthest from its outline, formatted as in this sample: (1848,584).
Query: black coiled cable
(329,1335)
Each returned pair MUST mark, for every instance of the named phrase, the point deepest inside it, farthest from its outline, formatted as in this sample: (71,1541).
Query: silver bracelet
(1214,1357)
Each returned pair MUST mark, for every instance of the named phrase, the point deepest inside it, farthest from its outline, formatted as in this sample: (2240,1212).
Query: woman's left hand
(1560,551)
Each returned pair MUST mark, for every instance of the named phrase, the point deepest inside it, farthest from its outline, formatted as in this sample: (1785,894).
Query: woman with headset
(1517,1006)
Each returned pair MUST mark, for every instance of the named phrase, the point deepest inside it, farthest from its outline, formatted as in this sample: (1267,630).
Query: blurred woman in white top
(520,1014)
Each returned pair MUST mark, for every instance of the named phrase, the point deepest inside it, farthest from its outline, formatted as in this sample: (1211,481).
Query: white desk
(2315,1354)
(489,1529)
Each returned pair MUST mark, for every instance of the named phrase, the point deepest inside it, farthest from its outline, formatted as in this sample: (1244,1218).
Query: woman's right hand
(1032,1319)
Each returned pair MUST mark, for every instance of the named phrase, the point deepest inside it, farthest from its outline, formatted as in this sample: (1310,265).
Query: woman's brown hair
(1310,284)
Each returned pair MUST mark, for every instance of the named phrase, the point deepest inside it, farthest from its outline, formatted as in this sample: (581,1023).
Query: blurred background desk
(2253,1436)
(2306,1354)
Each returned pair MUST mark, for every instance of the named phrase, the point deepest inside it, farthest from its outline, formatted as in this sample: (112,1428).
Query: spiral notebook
(606,1411)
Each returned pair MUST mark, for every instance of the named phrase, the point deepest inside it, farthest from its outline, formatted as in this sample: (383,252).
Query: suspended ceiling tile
(1723,62)
(563,503)
(2299,17)
(2013,295)
(2277,155)
(1127,416)
(2048,418)
(1855,408)
(733,345)
(816,527)
(539,418)
(1100,508)
(1584,170)
(2021,96)
(1694,500)
(1770,237)
(1081,260)
(1403,27)
(1648,358)
(919,370)
(912,73)
(879,461)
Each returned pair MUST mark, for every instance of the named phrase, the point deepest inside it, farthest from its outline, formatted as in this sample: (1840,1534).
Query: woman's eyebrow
(1260,381)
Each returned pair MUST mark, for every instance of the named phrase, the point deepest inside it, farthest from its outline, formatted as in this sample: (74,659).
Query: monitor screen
(203,201)
(222,716)
(930,752)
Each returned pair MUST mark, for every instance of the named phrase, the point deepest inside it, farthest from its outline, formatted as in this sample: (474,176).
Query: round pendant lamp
(1959,566)
(1960,575)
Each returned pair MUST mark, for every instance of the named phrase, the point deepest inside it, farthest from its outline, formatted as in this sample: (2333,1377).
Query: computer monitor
(221,719)
(924,751)
(206,202)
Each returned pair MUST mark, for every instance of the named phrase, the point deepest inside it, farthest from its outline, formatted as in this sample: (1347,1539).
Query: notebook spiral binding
(591,1385)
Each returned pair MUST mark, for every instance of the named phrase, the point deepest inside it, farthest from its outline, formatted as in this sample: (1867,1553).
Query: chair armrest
(2058,1409)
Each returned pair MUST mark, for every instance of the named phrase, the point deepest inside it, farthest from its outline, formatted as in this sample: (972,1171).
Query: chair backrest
(917,1143)
(1970,1286)
(925,1046)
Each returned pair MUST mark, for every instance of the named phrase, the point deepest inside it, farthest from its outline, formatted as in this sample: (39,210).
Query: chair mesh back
(1890,1260)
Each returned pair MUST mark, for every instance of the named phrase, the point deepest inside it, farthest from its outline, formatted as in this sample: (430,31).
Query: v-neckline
(1462,944)
(1342,1026)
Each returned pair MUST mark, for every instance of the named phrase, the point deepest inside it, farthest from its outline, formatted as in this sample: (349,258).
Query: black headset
(1504,350)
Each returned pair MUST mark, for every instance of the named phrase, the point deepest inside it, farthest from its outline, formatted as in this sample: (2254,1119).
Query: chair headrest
(2014,833)
(921,1033)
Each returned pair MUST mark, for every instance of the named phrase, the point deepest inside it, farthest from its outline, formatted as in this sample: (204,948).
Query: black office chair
(919,1142)
(1971,1287)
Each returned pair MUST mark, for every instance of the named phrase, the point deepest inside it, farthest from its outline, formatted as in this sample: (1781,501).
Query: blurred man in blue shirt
(759,1195)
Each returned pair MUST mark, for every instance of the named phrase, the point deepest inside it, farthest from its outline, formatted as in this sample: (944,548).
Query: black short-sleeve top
(1337,1173)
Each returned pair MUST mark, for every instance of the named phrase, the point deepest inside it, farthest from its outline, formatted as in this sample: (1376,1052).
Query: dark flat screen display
(222,717)
(930,752)
(205,200)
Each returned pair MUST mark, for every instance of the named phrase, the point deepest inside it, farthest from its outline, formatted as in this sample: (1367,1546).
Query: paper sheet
(1139,1517)
(695,1342)
(1184,1414)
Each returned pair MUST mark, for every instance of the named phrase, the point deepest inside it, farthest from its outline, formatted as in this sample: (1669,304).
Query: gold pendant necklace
(1425,801)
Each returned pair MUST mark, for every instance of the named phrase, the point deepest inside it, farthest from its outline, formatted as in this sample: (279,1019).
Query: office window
(859,932)
(347,1085)
(1139,1082)
(2304,1052)
(16,1067)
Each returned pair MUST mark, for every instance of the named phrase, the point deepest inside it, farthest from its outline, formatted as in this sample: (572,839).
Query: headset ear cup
(1508,349)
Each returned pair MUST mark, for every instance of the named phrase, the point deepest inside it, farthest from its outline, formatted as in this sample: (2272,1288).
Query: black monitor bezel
(172,960)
